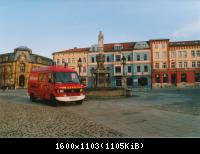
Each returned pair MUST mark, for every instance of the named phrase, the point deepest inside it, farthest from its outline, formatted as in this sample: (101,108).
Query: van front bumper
(70,98)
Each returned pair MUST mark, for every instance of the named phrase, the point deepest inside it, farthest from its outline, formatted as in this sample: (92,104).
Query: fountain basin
(105,92)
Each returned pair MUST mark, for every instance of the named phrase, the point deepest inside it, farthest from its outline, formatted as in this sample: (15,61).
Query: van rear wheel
(54,102)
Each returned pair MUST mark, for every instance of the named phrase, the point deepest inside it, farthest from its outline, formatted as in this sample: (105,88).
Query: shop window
(183,77)
(197,77)
(157,78)
(165,78)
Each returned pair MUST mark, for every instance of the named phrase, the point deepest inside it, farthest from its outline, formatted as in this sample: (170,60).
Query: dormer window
(118,47)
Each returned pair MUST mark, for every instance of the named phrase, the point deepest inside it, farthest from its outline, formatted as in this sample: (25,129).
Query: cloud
(189,30)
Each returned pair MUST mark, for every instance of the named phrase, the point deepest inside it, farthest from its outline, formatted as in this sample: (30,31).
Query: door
(173,79)
(129,82)
(142,82)
(21,80)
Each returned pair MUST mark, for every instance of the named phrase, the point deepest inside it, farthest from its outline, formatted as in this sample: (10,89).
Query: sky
(47,26)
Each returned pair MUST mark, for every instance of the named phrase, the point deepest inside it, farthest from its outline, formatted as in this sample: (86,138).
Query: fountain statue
(100,75)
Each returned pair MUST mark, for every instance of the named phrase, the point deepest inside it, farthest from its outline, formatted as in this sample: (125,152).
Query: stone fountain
(101,82)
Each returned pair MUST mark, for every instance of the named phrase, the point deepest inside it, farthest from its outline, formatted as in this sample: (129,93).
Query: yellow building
(15,67)
(71,57)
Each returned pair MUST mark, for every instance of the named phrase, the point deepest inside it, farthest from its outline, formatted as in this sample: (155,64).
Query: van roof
(53,69)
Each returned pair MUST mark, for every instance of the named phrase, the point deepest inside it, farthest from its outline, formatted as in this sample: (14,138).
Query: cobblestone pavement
(157,113)
(31,120)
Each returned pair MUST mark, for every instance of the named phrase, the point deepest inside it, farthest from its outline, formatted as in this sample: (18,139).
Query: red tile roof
(126,46)
(185,43)
(73,50)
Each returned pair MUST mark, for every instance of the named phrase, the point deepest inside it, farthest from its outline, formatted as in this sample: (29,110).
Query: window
(117,58)
(164,65)
(180,54)
(180,65)
(118,69)
(193,64)
(22,68)
(198,53)
(107,58)
(69,60)
(157,78)
(172,64)
(198,64)
(66,77)
(138,57)
(63,61)
(157,65)
(108,68)
(193,53)
(183,77)
(58,61)
(145,56)
(197,77)
(84,60)
(118,47)
(129,58)
(41,77)
(156,55)
(129,69)
(73,60)
(118,81)
(164,54)
(184,54)
(165,78)
(92,59)
(185,64)
(84,69)
(50,78)
(138,69)
(156,46)
(173,54)
(145,68)
(163,45)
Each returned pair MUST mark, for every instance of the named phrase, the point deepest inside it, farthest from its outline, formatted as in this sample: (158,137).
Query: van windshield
(66,77)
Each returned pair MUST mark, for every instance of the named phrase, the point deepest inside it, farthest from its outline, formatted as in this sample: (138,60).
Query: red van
(55,83)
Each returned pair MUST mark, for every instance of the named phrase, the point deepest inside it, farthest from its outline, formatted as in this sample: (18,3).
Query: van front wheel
(79,102)
(32,98)
(54,102)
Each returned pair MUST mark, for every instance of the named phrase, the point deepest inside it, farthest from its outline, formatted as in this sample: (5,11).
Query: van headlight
(81,90)
(60,91)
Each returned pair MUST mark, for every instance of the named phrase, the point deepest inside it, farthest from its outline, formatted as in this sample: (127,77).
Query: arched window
(22,68)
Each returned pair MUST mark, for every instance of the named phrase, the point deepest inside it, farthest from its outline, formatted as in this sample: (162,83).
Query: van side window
(41,77)
(50,77)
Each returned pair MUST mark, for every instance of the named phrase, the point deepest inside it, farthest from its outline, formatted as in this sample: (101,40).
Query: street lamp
(124,78)
(79,66)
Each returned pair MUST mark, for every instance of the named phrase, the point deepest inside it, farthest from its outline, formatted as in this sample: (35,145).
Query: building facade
(175,63)
(71,57)
(15,67)
(137,69)
(156,63)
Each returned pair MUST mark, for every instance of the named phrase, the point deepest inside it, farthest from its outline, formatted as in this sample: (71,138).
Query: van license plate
(72,97)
